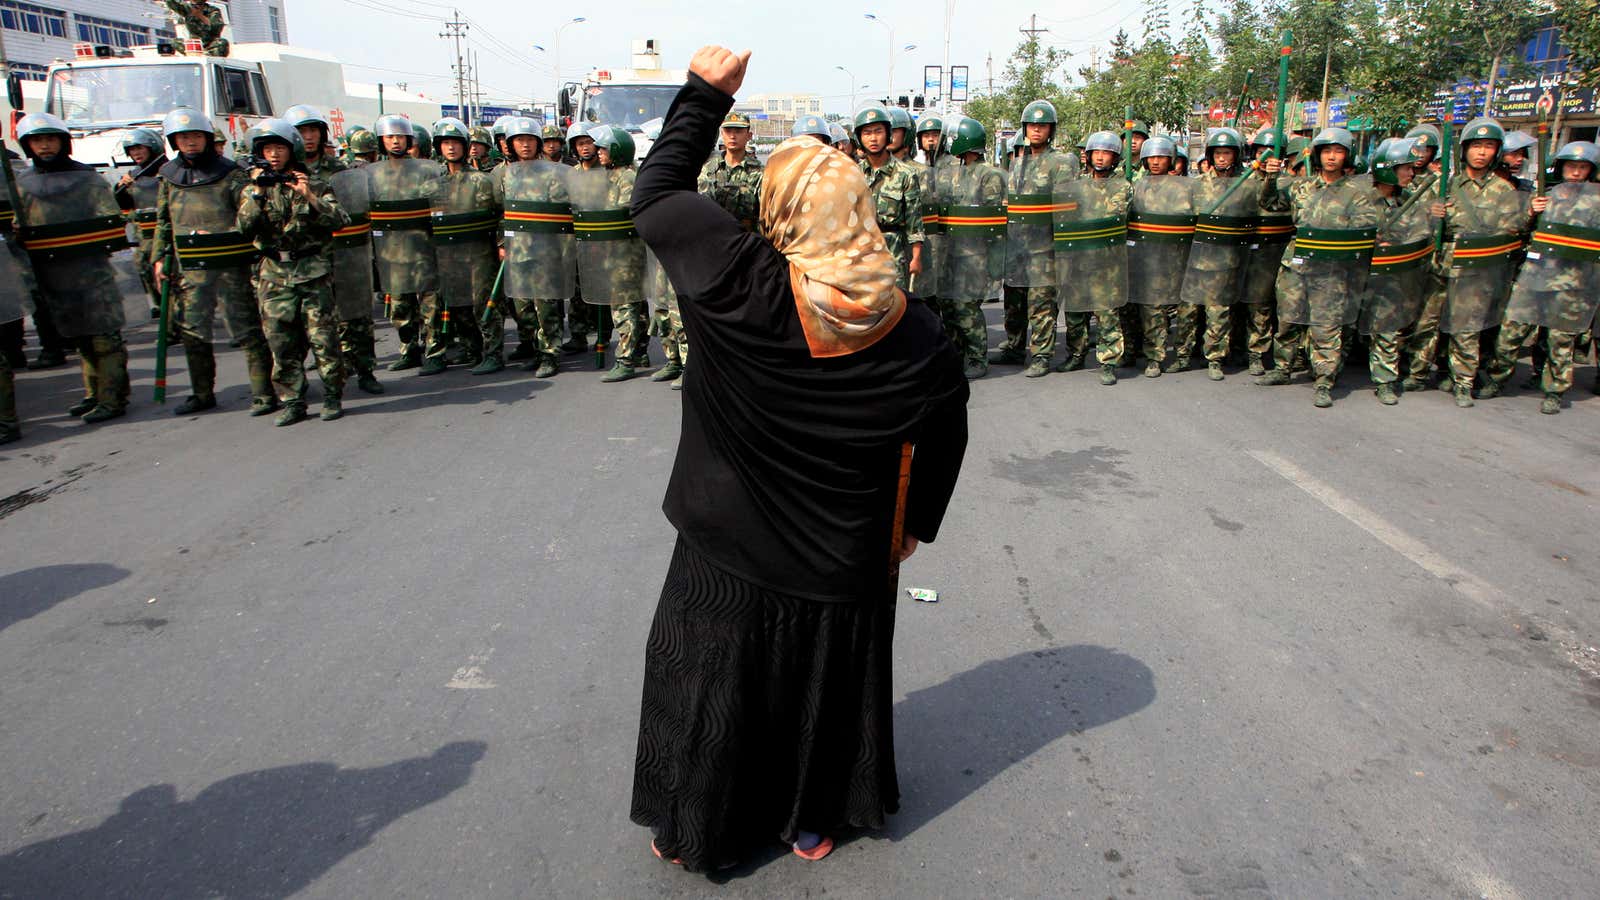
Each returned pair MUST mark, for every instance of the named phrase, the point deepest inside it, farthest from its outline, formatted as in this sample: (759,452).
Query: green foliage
(1580,23)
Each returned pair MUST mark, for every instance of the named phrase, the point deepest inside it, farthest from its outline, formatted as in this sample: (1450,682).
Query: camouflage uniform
(354,277)
(1484,225)
(614,275)
(1320,291)
(1030,280)
(294,284)
(204,23)
(138,200)
(1257,292)
(1558,288)
(466,213)
(974,214)
(1217,260)
(1091,259)
(1160,230)
(897,198)
(196,229)
(69,223)
(539,254)
(401,192)
(1397,285)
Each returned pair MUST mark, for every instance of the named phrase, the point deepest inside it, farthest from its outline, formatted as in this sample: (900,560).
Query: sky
(796,45)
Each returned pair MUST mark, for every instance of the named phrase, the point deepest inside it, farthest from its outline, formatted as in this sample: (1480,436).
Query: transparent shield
(536,231)
(401,192)
(353,283)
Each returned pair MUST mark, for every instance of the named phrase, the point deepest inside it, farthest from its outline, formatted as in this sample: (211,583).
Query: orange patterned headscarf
(817,211)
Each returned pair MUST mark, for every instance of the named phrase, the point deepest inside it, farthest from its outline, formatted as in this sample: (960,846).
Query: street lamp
(852,88)
(557,55)
(891,48)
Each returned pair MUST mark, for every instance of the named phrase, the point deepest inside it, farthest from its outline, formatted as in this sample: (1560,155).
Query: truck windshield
(628,105)
(120,95)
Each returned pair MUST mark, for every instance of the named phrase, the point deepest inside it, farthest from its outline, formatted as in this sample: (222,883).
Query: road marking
(1467,584)
(470,677)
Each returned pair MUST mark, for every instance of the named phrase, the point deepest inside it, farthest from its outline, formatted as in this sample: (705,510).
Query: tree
(1029,76)
(1580,32)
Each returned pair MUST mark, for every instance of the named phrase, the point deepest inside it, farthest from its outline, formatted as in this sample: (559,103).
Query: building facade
(38,33)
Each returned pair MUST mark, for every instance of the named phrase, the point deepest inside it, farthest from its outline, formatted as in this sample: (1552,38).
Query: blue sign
(958,83)
(486,114)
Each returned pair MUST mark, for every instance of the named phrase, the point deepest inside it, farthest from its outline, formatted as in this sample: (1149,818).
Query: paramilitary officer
(897,198)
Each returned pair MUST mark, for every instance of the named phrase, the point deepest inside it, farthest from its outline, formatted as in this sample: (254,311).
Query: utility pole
(1033,30)
(456,29)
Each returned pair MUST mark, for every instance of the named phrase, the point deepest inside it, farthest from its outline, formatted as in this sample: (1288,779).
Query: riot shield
(1160,229)
(401,192)
(214,259)
(975,232)
(609,252)
(1559,285)
(16,276)
(658,290)
(541,260)
(465,218)
(1478,260)
(352,247)
(1224,228)
(1091,238)
(1333,241)
(1398,284)
(71,226)
(1272,235)
(1030,217)
(933,182)
(142,221)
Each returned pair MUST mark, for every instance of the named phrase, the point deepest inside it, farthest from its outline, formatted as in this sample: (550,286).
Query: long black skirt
(763,715)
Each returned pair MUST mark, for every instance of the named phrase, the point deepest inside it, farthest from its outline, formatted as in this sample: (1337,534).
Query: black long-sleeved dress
(767,702)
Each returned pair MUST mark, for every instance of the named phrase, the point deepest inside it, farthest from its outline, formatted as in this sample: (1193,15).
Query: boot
(457,355)
(1214,371)
(490,365)
(294,411)
(1070,364)
(1387,395)
(369,383)
(1152,369)
(410,358)
(1463,394)
(332,408)
(195,404)
(1532,382)
(48,358)
(975,369)
(1413,383)
(102,413)
(575,344)
(433,365)
(668,372)
(547,367)
(1108,374)
(1276,376)
(1175,364)
(81,407)
(202,373)
(1551,405)
(1037,368)
(1324,397)
(1256,367)
(258,369)
(261,406)
(1006,356)
(1489,391)
(619,372)
(524,352)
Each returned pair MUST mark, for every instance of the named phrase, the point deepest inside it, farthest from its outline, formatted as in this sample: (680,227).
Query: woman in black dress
(768,704)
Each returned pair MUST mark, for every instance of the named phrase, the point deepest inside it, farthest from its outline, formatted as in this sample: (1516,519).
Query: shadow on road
(29,592)
(269,833)
(953,738)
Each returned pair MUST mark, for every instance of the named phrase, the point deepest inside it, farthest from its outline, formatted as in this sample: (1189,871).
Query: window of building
(275,22)
(96,30)
(32,19)
(29,71)
(1545,52)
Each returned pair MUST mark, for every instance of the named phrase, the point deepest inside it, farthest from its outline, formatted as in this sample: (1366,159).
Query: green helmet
(1578,151)
(1295,151)
(144,137)
(453,128)
(1358,164)
(1180,145)
(929,122)
(1224,137)
(1158,146)
(1103,140)
(969,137)
(1390,155)
(424,140)
(1515,141)
(899,118)
(1482,128)
(1139,128)
(551,133)
(617,142)
(178,121)
(280,131)
(1265,142)
(1428,135)
(871,115)
(480,135)
(1018,141)
(363,142)
(1039,112)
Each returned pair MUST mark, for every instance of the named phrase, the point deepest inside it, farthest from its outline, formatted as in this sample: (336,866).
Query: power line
(455,30)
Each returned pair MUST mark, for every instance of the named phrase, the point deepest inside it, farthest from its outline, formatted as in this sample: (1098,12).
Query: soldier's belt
(1275,230)
(456,228)
(1334,243)
(146,220)
(64,240)
(401,215)
(1163,228)
(1478,252)
(1034,209)
(603,225)
(979,220)
(1090,234)
(356,234)
(1232,231)
(932,219)
(535,217)
(1402,257)
(223,250)
(1572,242)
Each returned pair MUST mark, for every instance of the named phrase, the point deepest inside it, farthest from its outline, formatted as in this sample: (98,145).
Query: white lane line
(1467,584)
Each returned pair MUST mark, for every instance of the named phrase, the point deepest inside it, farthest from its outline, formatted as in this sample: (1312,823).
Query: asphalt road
(1192,639)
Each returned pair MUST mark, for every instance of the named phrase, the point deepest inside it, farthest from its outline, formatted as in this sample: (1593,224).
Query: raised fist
(720,67)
